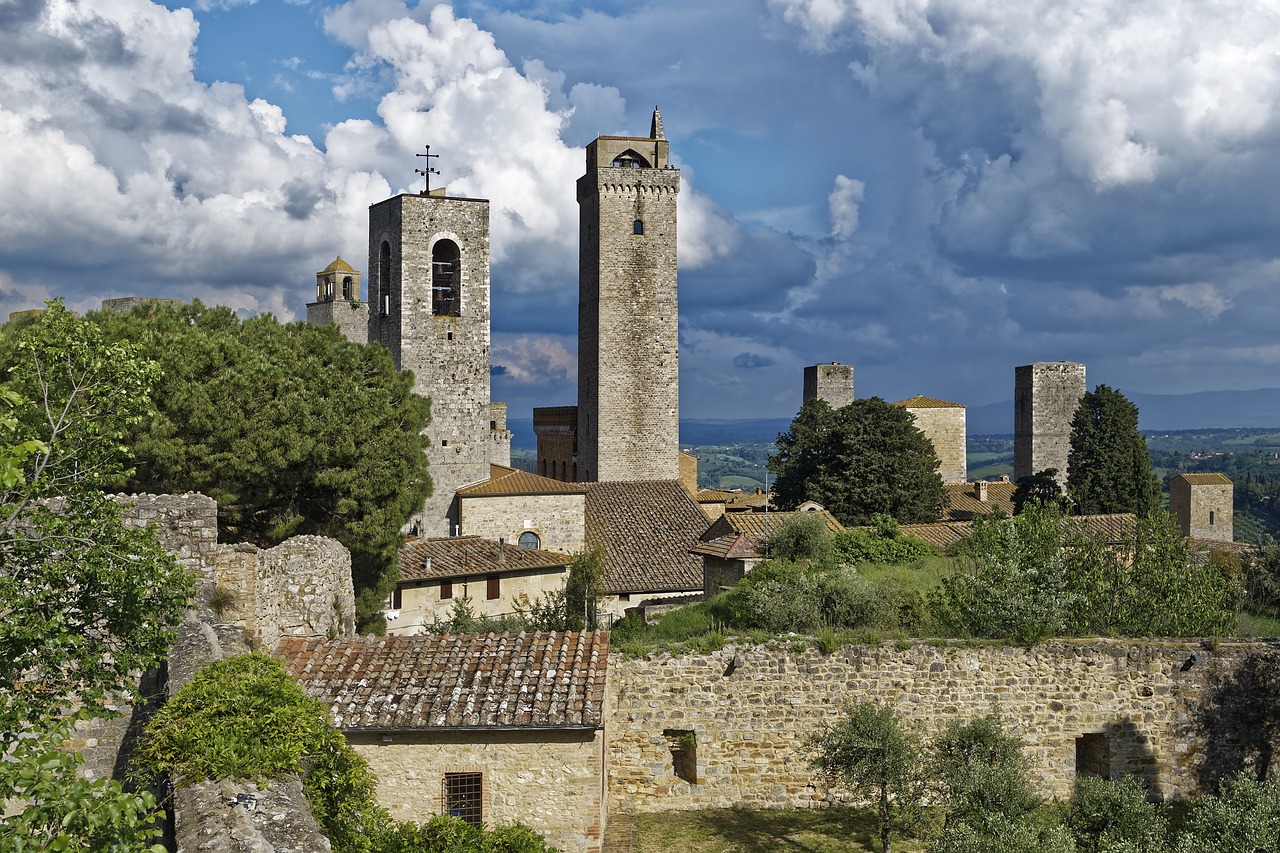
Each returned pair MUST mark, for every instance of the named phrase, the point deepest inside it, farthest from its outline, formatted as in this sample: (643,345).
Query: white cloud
(534,359)
(842,204)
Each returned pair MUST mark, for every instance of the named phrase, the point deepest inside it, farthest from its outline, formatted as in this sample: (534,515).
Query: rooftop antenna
(428,171)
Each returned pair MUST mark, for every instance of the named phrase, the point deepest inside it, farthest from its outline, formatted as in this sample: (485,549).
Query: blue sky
(933,191)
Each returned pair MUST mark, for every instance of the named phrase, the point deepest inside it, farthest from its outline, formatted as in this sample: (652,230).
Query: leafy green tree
(583,589)
(802,537)
(1244,816)
(869,751)
(85,602)
(291,428)
(1040,487)
(1108,467)
(865,458)
(1106,816)
(879,542)
(982,773)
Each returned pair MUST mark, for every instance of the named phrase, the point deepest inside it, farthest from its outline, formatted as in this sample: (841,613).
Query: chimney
(980,490)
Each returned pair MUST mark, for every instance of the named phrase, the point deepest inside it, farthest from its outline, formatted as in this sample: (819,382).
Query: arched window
(637,227)
(346,288)
(529,539)
(384,278)
(630,159)
(328,289)
(446,269)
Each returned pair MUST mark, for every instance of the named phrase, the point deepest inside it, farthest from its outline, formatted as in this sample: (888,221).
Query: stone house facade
(1203,504)
(523,508)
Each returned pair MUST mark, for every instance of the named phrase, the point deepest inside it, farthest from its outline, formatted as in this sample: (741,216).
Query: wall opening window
(493,587)
(446,263)
(464,796)
(1211,518)
(446,590)
(397,598)
(1093,756)
(630,159)
(637,227)
(384,278)
(346,288)
(683,744)
(529,539)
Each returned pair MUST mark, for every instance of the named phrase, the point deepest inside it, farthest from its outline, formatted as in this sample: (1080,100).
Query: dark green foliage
(801,537)
(291,428)
(445,834)
(880,542)
(982,774)
(1108,467)
(1244,816)
(1262,580)
(1104,816)
(857,461)
(780,596)
(868,751)
(1040,487)
(1041,574)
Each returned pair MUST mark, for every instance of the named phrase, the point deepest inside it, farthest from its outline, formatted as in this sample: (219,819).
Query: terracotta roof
(1114,528)
(460,556)
(761,524)
(746,500)
(735,546)
(646,529)
(539,679)
(941,535)
(1206,479)
(918,402)
(963,504)
(512,481)
(339,265)
(712,496)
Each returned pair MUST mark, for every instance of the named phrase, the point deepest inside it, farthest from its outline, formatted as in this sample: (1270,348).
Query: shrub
(881,542)
(804,536)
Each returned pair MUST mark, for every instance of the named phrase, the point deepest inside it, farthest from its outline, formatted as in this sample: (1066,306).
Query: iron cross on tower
(428,171)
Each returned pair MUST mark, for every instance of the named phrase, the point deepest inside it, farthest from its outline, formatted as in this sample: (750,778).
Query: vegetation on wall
(291,428)
(85,602)
(863,459)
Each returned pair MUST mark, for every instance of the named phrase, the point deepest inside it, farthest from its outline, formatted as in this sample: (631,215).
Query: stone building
(736,543)
(1203,505)
(429,305)
(524,508)
(1045,398)
(338,302)
(493,728)
(627,420)
(943,424)
(831,382)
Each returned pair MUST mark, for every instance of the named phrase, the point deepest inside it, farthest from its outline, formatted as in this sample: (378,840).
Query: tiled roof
(735,546)
(1114,528)
(746,500)
(460,556)
(454,681)
(712,496)
(963,505)
(1206,479)
(761,524)
(941,535)
(646,529)
(512,481)
(918,402)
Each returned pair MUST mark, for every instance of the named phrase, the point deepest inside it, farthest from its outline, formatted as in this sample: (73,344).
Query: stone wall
(421,604)
(1173,713)
(548,780)
(558,519)
(351,318)
(945,427)
(1203,507)
(1045,398)
(830,382)
(628,352)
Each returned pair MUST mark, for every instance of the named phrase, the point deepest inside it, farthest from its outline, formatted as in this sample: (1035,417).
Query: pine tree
(1108,467)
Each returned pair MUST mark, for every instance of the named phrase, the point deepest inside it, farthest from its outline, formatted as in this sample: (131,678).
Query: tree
(859,460)
(1105,816)
(982,774)
(1245,816)
(291,428)
(1040,487)
(869,751)
(583,589)
(85,602)
(1108,467)
(802,537)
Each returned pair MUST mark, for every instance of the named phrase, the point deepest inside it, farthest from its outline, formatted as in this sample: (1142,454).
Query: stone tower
(943,424)
(429,305)
(338,302)
(1045,397)
(628,372)
(1202,503)
(831,382)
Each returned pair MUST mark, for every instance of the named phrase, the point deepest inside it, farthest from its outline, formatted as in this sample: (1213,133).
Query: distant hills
(1157,412)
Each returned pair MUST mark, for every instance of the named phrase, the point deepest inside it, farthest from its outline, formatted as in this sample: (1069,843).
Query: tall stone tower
(429,305)
(1203,506)
(831,382)
(628,418)
(943,424)
(1045,397)
(338,302)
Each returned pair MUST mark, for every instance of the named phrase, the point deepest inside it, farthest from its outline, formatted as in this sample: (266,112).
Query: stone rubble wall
(1177,722)
(945,428)
(1045,398)
(558,519)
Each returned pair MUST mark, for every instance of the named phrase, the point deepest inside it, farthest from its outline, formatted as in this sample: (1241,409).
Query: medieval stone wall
(351,318)
(1173,713)
(1045,398)
(448,354)
(628,354)
(548,780)
(945,427)
(830,382)
(558,519)
(1203,510)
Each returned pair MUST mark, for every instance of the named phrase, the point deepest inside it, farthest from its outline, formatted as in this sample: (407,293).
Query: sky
(933,191)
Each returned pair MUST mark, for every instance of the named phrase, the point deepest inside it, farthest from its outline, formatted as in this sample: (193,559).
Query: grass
(831,830)
(917,577)
(1258,625)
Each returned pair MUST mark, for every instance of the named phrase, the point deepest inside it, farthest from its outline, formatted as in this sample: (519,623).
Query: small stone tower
(1045,397)
(943,424)
(1202,503)
(628,418)
(338,302)
(429,305)
(831,382)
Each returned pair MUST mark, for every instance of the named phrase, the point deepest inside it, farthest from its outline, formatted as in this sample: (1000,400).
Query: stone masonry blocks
(1045,398)
(831,382)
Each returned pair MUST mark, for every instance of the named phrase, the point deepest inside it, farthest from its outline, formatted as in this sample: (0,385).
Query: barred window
(464,796)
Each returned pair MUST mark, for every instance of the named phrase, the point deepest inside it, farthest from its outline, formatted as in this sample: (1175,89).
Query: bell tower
(628,358)
(338,302)
(429,305)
